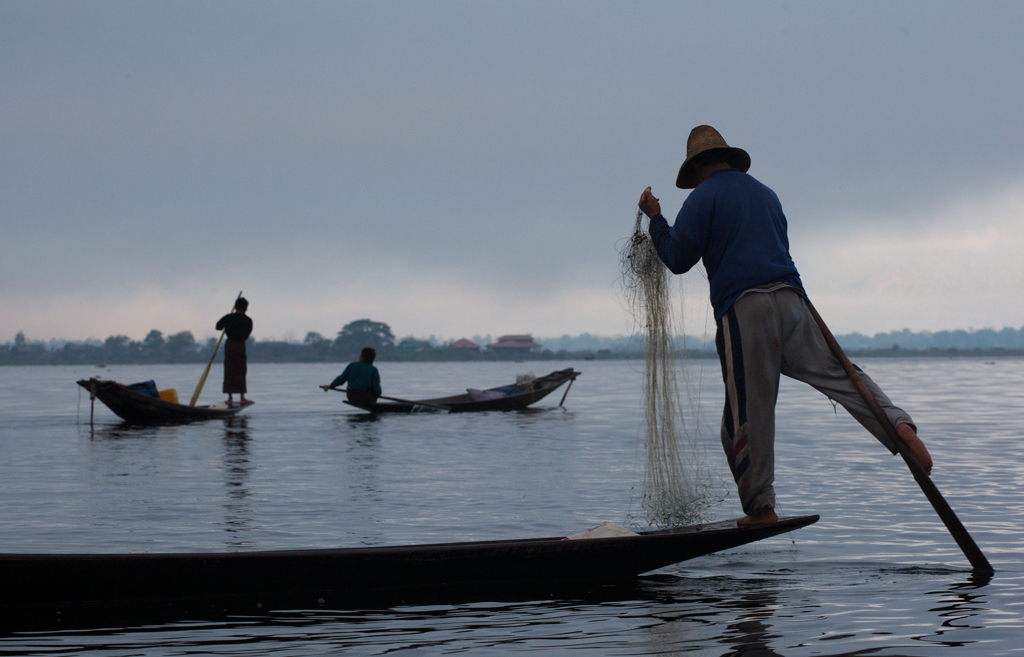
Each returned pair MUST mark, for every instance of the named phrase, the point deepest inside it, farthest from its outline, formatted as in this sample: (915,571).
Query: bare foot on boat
(762,517)
(245,402)
(917,448)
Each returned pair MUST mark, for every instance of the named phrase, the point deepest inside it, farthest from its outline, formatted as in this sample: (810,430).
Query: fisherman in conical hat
(736,225)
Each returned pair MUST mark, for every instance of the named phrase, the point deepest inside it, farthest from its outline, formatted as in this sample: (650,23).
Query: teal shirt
(360,376)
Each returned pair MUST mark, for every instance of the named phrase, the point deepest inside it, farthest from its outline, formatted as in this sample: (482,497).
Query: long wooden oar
(405,401)
(953,524)
(206,372)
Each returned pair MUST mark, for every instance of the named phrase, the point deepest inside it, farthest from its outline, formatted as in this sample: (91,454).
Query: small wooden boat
(488,566)
(140,408)
(512,397)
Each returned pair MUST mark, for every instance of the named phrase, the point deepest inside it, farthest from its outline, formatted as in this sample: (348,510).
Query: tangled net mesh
(677,488)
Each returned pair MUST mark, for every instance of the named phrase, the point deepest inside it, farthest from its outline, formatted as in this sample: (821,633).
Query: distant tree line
(345,346)
(1007,338)
(183,348)
(154,348)
(315,348)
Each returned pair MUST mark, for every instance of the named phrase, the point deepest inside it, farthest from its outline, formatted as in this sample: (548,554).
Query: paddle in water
(396,399)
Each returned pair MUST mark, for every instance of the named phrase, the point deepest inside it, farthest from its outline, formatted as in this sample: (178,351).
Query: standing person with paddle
(765,326)
(362,377)
(238,327)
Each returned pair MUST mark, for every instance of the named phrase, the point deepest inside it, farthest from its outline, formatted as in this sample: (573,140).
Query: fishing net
(677,488)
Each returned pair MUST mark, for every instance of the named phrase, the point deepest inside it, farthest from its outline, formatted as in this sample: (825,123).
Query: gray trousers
(764,334)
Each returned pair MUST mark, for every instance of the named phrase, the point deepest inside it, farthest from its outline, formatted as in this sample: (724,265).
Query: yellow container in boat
(170,395)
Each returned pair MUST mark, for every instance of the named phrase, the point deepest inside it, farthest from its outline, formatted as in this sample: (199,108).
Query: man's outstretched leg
(807,358)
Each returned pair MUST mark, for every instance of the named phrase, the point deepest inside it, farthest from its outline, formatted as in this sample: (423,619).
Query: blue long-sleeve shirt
(737,226)
(360,376)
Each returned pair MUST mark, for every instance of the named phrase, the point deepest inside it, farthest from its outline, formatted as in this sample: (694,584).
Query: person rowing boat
(362,377)
(238,327)
(765,328)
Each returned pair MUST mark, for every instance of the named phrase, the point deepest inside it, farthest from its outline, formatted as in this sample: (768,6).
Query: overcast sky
(461,168)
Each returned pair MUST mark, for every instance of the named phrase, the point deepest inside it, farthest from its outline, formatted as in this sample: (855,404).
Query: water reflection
(359,418)
(750,633)
(362,436)
(959,603)
(684,610)
(124,430)
(362,465)
(529,417)
(237,466)
(755,614)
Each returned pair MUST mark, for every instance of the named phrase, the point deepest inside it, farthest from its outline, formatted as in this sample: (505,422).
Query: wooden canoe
(489,566)
(139,408)
(539,389)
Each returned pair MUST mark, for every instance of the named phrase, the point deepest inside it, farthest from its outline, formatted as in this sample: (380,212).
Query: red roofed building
(514,345)
(464,344)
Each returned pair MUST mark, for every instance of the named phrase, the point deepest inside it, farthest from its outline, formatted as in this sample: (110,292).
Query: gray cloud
(288,144)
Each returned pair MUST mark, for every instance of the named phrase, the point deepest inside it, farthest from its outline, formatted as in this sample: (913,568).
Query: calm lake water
(878,574)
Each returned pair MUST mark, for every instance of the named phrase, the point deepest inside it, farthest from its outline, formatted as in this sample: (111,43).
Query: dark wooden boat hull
(543,387)
(52,579)
(138,408)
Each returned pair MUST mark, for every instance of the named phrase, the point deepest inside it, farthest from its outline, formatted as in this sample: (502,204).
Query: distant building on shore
(465,344)
(514,346)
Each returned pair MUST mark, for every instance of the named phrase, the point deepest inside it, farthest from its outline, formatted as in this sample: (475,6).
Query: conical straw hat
(705,138)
